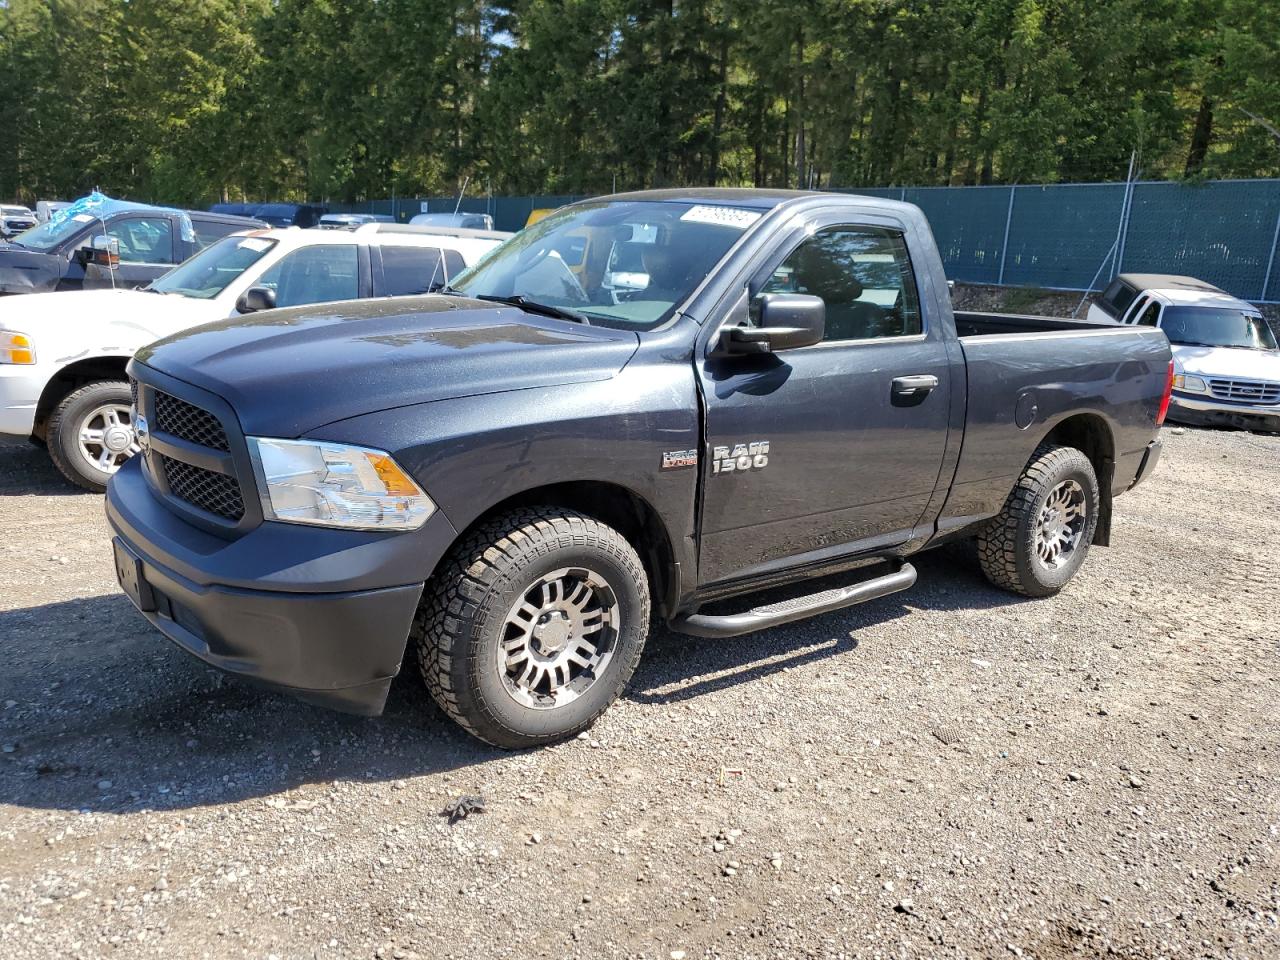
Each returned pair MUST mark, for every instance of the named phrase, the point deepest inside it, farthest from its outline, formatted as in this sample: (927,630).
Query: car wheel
(1035,545)
(532,626)
(91,433)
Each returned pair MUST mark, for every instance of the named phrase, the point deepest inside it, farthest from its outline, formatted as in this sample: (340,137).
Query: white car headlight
(16,348)
(336,485)
(1189,384)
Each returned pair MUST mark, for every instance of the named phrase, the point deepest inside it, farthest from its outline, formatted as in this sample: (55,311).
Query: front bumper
(286,620)
(20,389)
(1215,413)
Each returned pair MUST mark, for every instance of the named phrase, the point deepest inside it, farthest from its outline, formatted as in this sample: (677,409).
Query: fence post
(1271,260)
(1004,247)
(1125,217)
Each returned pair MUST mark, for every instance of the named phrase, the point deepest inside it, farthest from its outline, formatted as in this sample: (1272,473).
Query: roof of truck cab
(1166,281)
(752,198)
(1185,291)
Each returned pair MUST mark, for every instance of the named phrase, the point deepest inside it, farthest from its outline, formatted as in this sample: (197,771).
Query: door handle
(909,391)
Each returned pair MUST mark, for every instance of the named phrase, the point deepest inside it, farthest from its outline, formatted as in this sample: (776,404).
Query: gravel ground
(949,772)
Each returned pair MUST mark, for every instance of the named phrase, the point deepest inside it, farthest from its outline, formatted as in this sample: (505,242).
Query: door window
(316,274)
(143,239)
(412,270)
(207,231)
(864,276)
(1149,316)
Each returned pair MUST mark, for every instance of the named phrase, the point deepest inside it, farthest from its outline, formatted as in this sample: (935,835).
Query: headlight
(336,485)
(1189,384)
(16,348)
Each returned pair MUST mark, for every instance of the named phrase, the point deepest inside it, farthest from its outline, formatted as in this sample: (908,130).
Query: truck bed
(977,324)
(1025,374)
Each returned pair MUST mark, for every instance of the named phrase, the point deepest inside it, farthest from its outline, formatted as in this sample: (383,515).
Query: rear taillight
(1168,394)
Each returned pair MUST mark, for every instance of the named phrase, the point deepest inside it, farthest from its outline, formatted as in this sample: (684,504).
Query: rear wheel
(532,626)
(1035,545)
(91,433)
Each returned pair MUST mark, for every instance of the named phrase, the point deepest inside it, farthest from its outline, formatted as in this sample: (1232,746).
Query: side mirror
(255,299)
(785,321)
(102,251)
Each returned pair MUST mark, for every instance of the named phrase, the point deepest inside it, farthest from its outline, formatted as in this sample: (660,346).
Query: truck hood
(72,322)
(286,372)
(27,271)
(1228,363)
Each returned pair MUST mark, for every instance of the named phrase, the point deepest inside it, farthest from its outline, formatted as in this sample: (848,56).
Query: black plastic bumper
(339,649)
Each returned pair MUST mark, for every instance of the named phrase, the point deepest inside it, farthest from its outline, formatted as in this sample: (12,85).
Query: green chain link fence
(1067,236)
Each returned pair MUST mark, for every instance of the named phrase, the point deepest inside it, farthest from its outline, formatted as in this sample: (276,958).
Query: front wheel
(532,626)
(91,433)
(1035,545)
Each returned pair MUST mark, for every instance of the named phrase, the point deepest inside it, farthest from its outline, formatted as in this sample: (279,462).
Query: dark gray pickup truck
(650,405)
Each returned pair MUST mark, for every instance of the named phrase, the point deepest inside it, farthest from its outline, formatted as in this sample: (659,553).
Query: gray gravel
(949,772)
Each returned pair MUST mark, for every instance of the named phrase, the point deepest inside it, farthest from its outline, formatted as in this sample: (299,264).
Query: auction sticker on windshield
(734,217)
(256,244)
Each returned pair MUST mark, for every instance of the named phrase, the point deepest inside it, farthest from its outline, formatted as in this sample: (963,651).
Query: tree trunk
(1201,135)
(721,96)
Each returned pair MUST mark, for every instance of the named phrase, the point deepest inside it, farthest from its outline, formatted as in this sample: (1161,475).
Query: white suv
(1226,358)
(63,355)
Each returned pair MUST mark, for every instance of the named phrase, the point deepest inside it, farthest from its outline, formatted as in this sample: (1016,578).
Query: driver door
(816,452)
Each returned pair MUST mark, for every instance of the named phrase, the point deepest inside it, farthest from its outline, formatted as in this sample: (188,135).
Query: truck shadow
(99,712)
(676,667)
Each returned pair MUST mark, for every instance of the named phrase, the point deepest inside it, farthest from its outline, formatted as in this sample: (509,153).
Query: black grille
(181,419)
(133,389)
(215,492)
(1246,391)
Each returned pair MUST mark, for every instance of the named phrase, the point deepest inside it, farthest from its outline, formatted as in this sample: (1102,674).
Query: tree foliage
(354,99)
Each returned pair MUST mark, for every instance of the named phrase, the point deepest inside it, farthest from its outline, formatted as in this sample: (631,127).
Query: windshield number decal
(734,217)
(740,457)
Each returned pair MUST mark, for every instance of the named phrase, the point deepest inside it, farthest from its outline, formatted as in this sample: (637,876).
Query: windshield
(214,268)
(45,236)
(1216,327)
(626,264)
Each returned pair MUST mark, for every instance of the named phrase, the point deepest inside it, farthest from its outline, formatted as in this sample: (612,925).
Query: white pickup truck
(63,355)
(1226,358)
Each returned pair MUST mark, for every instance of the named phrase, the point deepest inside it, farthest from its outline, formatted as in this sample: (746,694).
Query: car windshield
(214,268)
(50,234)
(1216,327)
(626,263)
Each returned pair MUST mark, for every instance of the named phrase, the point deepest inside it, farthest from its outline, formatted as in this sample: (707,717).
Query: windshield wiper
(533,306)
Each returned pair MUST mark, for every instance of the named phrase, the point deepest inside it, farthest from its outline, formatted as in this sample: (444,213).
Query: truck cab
(99,242)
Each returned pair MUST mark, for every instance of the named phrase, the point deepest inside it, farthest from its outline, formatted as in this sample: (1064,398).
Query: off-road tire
(1006,545)
(63,438)
(460,621)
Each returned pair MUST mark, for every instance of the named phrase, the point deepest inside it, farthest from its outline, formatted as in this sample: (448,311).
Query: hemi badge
(678,459)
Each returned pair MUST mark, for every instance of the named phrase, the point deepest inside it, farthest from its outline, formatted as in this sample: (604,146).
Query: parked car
(15,219)
(47,208)
(235,209)
(290,214)
(350,221)
(100,242)
(63,356)
(465,221)
(1227,356)
(515,475)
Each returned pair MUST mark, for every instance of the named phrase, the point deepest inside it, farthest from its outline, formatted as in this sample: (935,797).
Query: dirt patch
(949,772)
